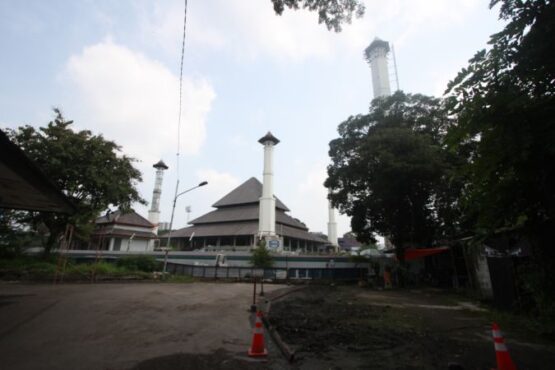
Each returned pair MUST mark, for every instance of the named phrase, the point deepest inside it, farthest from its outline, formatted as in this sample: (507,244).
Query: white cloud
(246,28)
(249,29)
(134,100)
(162,23)
(311,204)
(293,36)
(219,184)
(408,18)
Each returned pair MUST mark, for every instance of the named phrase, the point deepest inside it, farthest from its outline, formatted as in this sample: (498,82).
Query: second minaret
(267,215)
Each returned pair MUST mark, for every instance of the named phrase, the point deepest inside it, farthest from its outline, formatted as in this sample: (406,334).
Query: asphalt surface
(120,326)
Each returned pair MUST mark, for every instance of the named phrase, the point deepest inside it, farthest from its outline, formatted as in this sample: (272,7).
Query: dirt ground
(356,328)
(152,326)
(123,326)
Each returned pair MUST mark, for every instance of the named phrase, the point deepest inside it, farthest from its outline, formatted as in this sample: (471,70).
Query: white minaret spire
(332,226)
(267,215)
(376,55)
(154,212)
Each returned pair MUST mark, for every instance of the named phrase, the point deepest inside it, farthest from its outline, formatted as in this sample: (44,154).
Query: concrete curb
(284,348)
(287,292)
(287,352)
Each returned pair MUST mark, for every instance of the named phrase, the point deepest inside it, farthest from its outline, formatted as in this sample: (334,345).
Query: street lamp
(173,209)
(177,195)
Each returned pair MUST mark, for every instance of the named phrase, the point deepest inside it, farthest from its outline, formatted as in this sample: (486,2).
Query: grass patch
(125,269)
(526,327)
(37,269)
(139,263)
(25,268)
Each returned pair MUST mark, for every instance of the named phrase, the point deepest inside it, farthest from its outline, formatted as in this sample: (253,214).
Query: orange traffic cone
(257,347)
(502,356)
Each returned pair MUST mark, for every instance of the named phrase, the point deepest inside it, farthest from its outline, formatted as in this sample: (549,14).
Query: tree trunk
(50,243)
(55,229)
(402,267)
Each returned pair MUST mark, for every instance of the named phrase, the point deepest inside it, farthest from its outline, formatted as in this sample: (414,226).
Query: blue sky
(113,67)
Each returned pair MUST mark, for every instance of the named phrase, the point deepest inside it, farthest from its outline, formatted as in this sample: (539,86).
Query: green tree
(89,169)
(333,13)
(261,257)
(504,101)
(505,104)
(391,174)
(12,234)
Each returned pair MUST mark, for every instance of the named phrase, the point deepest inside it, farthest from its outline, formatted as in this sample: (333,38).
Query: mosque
(247,215)
(251,213)
(234,224)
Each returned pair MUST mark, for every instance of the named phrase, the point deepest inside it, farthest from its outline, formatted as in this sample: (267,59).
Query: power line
(181,89)
(177,166)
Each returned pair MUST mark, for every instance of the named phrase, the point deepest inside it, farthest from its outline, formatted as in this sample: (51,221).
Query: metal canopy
(24,186)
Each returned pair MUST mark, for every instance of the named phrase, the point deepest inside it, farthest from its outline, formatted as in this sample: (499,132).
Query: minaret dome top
(268,137)
(377,44)
(160,165)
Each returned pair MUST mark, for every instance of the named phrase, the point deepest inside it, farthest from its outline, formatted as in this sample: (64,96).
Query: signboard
(273,244)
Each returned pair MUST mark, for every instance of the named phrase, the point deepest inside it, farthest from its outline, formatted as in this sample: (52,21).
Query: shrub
(32,268)
(10,251)
(25,268)
(106,268)
(139,263)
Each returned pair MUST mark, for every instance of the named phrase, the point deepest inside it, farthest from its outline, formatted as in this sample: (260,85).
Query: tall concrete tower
(332,227)
(376,55)
(154,212)
(267,215)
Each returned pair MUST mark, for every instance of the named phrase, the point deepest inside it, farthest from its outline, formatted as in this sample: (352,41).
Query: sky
(113,67)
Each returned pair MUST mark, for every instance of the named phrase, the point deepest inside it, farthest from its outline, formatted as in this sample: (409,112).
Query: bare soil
(356,328)
(219,359)
(129,326)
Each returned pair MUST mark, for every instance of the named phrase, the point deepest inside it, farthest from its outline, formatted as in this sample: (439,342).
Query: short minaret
(376,55)
(332,226)
(154,212)
(267,215)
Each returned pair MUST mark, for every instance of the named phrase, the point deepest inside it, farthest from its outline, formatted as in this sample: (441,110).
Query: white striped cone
(504,361)
(257,347)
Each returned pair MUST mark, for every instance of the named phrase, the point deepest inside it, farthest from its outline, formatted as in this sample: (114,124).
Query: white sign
(273,244)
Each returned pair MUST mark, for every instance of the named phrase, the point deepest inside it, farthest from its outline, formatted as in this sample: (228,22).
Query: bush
(106,268)
(23,268)
(38,269)
(536,292)
(10,251)
(101,270)
(139,263)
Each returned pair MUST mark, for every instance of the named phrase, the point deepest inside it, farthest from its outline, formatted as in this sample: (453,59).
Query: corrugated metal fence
(244,273)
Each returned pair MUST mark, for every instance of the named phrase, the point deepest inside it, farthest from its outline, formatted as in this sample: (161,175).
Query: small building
(127,232)
(234,224)
(348,242)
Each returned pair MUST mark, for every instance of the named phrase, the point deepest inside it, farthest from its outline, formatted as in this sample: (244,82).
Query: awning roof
(24,186)
(249,212)
(415,253)
(124,233)
(241,228)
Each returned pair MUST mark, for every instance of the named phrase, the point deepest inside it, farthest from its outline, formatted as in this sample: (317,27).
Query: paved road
(115,326)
